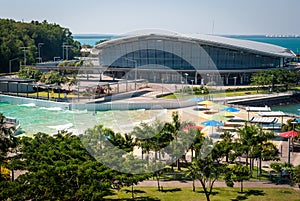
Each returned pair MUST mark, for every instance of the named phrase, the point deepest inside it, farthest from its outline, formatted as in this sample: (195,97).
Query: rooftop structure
(202,58)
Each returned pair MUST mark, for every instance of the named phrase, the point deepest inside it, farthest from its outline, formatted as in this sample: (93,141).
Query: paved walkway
(247,184)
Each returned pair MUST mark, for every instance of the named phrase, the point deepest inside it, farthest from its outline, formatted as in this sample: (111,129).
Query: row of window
(222,58)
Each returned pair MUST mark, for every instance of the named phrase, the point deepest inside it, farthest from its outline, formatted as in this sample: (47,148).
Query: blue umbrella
(212,123)
(196,99)
(231,109)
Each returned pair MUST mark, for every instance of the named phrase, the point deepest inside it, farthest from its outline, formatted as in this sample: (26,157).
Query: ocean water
(35,119)
(291,109)
(91,39)
(290,42)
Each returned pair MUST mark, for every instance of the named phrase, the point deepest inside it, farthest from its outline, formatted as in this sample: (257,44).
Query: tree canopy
(17,37)
(275,78)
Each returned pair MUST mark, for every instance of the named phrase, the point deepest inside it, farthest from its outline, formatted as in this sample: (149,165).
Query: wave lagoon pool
(35,119)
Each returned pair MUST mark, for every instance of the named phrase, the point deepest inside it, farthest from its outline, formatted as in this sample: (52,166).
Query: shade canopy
(231,109)
(219,117)
(212,123)
(188,127)
(206,102)
(289,134)
(196,99)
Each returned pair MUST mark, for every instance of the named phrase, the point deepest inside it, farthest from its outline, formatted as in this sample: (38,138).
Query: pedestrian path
(246,184)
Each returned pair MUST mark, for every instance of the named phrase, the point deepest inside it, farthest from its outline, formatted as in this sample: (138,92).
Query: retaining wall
(98,106)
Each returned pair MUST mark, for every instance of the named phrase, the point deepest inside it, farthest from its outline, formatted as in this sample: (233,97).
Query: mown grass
(44,94)
(219,194)
(213,95)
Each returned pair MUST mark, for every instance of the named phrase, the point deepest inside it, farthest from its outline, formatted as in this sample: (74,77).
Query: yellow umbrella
(229,114)
(206,102)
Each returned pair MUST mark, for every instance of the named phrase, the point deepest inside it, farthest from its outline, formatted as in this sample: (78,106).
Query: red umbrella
(188,127)
(289,134)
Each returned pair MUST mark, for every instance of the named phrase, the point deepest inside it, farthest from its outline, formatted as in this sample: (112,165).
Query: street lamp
(289,142)
(186,77)
(39,48)
(10,63)
(192,86)
(67,51)
(272,89)
(234,80)
(162,86)
(234,83)
(24,50)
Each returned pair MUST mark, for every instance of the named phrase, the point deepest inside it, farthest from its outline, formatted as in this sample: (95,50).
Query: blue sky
(183,16)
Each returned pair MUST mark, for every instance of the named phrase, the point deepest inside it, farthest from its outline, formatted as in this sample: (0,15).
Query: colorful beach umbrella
(289,134)
(218,106)
(231,109)
(219,117)
(206,102)
(212,123)
(188,127)
(196,99)
(229,114)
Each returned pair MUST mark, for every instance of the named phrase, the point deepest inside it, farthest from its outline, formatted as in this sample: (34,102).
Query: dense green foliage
(279,79)
(90,166)
(29,73)
(15,35)
(7,143)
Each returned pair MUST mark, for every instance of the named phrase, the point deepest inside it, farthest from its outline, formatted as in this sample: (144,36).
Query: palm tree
(227,143)
(7,141)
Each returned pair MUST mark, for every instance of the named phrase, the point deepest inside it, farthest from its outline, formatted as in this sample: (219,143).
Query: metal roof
(219,41)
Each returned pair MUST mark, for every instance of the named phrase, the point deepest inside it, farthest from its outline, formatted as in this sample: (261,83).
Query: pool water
(35,119)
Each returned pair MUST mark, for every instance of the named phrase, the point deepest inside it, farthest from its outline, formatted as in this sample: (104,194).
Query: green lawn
(219,194)
(44,94)
(214,95)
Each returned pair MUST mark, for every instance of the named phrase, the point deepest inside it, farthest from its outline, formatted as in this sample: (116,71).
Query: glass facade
(162,58)
(227,59)
(155,58)
(182,55)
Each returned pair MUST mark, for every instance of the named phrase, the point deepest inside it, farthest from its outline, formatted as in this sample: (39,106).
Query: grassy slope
(219,194)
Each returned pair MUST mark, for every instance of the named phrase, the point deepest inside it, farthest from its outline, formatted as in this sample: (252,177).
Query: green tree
(296,175)
(7,142)
(15,35)
(58,168)
(274,78)
(255,144)
(240,173)
(30,73)
(52,77)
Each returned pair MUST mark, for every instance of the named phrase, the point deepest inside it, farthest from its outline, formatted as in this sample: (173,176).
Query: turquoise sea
(291,109)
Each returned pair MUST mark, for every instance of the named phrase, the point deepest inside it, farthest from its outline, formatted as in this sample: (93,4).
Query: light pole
(192,86)
(162,86)
(186,77)
(289,142)
(24,50)
(10,63)
(234,80)
(67,50)
(135,70)
(39,48)
(234,83)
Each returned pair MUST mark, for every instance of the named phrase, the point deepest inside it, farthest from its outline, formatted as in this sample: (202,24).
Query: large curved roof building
(205,58)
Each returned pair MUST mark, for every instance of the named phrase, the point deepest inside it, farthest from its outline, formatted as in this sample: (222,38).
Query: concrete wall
(40,103)
(98,106)
(15,87)
(131,106)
